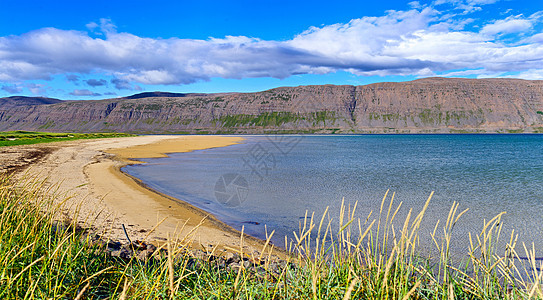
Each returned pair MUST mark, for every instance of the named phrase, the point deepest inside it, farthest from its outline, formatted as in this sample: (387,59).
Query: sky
(83,50)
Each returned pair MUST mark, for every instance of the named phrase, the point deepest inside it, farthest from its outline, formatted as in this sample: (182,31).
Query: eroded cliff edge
(440,105)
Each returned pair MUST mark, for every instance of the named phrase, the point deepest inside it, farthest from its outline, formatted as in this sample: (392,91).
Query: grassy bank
(12,138)
(332,258)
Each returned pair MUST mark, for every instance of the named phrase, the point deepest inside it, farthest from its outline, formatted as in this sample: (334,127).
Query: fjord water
(287,176)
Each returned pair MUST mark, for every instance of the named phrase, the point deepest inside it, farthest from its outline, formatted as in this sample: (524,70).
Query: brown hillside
(427,105)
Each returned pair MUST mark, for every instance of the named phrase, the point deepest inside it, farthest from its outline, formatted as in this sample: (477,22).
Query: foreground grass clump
(360,259)
(40,258)
(13,138)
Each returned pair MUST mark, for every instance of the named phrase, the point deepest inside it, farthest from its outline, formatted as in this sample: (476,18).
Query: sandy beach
(86,176)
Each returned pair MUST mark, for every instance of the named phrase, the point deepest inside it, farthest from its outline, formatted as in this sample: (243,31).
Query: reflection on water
(488,174)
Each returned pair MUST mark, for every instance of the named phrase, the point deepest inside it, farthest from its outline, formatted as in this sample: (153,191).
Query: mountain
(160,95)
(429,105)
(23,101)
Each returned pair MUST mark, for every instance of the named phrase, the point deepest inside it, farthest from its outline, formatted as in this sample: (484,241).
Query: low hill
(23,101)
(160,95)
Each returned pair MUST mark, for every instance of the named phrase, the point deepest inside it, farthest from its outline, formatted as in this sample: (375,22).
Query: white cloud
(537,38)
(96,82)
(72,78)
(84,92)
(103,26)
(413,42)
(465,5)
(415,4)
(509,25)
(532,74)
(36,88)
(122,84)
(12,88)
(464,73)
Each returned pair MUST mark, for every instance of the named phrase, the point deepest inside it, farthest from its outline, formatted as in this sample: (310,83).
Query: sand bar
(87,172)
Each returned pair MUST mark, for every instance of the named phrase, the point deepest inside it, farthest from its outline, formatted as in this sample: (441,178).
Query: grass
(12,138)
(275,119)
(263,119)
(333,258)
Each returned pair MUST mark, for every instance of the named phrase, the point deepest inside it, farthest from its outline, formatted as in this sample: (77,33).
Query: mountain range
(430,105)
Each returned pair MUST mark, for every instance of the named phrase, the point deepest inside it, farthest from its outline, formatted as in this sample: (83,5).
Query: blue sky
(104,49)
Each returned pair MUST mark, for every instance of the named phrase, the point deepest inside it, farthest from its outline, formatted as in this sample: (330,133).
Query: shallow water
(280,178)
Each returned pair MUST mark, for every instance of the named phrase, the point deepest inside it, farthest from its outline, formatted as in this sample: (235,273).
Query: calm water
(279,179)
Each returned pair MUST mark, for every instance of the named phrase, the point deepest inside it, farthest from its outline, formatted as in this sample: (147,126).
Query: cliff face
(426,105)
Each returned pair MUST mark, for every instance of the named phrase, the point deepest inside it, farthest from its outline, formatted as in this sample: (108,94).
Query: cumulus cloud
(103,26)
(84,92)
(466,5)
(415,4)
(72,78)
(12,88)
(96,82)
(533,74)
(36,88)
(538,38)
(122,84)
(509,25)
(419,41)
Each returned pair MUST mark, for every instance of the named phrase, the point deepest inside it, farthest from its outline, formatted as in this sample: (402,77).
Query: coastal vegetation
(44,256)
(276,119)
(19,137)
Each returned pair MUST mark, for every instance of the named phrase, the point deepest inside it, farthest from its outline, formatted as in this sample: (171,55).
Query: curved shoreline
(136,154)
(95,193)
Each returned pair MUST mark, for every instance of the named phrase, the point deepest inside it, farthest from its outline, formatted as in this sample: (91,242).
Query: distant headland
(430,105)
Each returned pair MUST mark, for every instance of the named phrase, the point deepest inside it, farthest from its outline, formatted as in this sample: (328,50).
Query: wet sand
(86,174)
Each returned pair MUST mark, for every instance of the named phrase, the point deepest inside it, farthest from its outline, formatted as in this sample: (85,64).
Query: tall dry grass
(376,257)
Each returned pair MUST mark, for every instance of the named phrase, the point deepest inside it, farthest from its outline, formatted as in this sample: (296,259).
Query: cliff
(440,105)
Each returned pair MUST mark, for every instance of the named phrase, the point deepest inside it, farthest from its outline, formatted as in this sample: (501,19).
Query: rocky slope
(427,105)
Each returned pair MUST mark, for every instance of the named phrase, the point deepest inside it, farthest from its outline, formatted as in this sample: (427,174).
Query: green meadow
(13,138)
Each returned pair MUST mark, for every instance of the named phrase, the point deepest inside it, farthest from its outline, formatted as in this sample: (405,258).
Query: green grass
(12,138)
(263,119)
(336,257)
(275,119)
